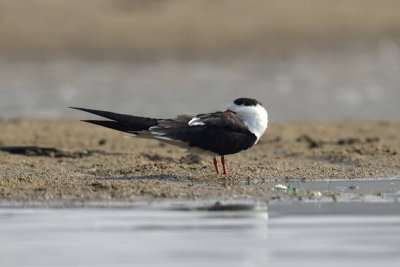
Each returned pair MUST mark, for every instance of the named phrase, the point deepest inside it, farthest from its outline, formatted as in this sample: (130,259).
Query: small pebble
(281,187)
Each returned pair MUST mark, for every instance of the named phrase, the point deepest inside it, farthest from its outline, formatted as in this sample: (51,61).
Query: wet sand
(68,160)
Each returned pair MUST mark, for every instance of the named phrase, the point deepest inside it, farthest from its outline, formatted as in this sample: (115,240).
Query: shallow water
(351,190)
(354,230)
(361,186)
(130,237)
(160,236)
(355,82)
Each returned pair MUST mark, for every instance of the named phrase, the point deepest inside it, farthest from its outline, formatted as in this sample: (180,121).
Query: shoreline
(89,163)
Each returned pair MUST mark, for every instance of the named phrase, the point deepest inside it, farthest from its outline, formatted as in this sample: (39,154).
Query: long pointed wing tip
(90,121)
(93,111)
(75,108)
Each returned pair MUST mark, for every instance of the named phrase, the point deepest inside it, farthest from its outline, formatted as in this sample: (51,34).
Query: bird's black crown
(246,102)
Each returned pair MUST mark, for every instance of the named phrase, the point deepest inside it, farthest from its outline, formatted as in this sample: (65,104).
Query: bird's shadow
(164,177)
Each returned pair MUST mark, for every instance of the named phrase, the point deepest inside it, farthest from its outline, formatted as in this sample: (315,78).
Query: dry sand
(150,28)
(89,163)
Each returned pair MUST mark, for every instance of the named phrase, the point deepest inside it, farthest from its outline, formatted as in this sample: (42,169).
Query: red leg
(216,165)
(223,165)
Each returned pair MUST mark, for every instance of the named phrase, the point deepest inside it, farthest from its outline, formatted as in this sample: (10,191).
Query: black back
(222,133)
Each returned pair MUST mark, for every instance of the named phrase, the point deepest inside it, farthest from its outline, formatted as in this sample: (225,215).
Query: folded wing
(220,133)
(121,122)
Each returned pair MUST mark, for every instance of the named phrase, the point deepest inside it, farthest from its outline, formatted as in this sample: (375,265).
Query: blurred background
(304,59)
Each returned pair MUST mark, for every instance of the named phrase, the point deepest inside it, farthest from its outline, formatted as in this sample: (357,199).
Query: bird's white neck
(254,117)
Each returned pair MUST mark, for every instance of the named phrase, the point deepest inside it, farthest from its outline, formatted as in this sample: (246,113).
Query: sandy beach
(69,160)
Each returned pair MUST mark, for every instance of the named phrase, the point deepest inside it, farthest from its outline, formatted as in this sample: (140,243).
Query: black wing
(221,133)
(121,122)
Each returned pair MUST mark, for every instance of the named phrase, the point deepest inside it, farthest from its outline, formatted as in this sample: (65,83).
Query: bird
(219,133)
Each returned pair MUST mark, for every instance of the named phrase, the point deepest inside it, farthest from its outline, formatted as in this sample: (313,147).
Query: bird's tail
(121,122)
